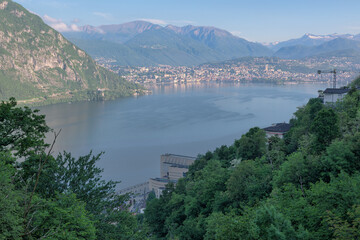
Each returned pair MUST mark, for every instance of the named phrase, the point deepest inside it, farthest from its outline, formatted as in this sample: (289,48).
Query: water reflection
(182,119)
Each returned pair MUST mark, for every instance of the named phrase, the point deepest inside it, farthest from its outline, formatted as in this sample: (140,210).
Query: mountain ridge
(151,45)
(309,39)
(188,45)
(36,61)
(340,46)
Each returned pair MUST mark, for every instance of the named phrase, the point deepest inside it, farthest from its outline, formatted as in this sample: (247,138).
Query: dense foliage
(304,186)
(48,197)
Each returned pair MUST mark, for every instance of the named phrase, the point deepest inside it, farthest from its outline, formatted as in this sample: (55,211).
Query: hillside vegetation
(305,186)
(38,63)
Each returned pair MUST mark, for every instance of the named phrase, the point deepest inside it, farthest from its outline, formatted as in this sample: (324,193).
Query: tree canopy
(305,186)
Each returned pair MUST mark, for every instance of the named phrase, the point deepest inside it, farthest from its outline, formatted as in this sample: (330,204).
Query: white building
(172,168)
(158,185)
(172,164)
(331,95)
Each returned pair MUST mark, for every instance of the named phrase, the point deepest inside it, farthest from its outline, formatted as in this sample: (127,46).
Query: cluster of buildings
(240,73)
(242,70)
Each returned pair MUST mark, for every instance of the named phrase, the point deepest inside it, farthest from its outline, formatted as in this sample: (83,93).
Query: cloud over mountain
(59,25)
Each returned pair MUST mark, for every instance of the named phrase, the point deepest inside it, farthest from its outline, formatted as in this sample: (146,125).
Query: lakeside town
(249,69)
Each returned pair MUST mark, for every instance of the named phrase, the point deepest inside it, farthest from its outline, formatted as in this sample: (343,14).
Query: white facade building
(331,95)
(172,168)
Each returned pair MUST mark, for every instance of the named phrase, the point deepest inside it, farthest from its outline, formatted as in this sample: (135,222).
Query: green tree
(252,144)
(177,216)
(339,157)
(157,211)
(203,189)
(81,176)
(338,196)
(345,229)
(249,182)
(63,217)
(199,164)
(301,123)
(325,127)
(116,223)
(268,223)
(22,130)
(225,155)
(227,226)
(311,210)
(298,170)
(11,212)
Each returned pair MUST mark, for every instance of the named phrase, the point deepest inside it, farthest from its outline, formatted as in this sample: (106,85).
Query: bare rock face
(3,5)
(38,58)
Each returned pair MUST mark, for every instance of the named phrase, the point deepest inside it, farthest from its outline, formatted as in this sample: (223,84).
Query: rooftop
(278,127)
(175,155)
(177,165)
(336,90)
(163,180)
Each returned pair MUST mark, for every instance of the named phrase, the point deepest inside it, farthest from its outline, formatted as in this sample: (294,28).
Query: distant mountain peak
(328,36)
(130,27)
(200,31)
(309,39)
(137,26)
(174,28)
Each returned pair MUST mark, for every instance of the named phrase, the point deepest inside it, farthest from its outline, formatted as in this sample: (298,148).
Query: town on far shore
(247,69)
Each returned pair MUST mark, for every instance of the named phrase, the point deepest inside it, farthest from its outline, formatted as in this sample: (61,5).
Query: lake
(185,119)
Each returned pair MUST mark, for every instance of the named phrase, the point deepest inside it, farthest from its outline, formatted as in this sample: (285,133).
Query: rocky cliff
(37,62)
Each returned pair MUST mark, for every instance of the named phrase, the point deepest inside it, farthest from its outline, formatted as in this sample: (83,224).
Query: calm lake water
(179,119)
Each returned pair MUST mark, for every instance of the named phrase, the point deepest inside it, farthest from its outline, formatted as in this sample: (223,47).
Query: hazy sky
(255,20)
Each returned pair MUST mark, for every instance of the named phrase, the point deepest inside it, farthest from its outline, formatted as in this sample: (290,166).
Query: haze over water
(180,119)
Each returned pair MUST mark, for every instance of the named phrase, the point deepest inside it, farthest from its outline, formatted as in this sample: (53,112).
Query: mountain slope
(338,46)
(37,61)
(122,54)
(170,45)
(311,40)
(165,47)
(221,41)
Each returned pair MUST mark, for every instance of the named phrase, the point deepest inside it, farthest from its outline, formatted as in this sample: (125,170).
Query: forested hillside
(305,186)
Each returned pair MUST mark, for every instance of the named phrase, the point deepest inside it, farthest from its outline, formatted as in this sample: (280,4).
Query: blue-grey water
(180,119)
